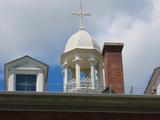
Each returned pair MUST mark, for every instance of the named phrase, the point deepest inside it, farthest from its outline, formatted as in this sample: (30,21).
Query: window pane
(31,79)
(20,83)
(20,79)
(31,88)
(20,88)
(25,82)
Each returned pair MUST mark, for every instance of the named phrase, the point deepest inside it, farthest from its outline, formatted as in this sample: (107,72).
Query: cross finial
(81,13)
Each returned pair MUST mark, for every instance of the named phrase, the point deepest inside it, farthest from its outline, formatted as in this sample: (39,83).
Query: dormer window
(25,82)
(26,74)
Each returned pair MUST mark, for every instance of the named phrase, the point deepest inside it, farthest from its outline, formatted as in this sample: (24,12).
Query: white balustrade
(85,83)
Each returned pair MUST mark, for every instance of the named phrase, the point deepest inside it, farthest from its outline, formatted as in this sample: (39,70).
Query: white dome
(81,40)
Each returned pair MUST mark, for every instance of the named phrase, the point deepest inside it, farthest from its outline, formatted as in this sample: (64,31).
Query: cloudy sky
(41,28)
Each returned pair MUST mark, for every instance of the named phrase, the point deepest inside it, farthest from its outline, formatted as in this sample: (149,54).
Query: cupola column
(65,68)
(78,71)
(92,68)
(100,76)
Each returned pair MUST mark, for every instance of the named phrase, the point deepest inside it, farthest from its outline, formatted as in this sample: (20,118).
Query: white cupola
(82,62)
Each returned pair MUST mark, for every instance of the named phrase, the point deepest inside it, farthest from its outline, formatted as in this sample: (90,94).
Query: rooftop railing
(71,86)
(84,84)
(128,89)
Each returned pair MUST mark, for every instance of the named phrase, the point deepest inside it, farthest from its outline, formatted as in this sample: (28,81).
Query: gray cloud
(141,38)
(42,28)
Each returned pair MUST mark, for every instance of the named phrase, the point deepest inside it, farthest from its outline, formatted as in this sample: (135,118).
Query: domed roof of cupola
(81,40)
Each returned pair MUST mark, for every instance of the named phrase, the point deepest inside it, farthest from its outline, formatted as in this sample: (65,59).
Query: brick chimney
(112,55)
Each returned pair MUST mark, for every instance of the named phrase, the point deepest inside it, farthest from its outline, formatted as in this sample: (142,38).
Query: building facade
(87,69)
(49,106)
(153,87)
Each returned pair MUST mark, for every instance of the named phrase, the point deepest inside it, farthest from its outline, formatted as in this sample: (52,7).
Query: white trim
(65,78)
(11,82)
(23,68)
(40,82)
(33,71)
(93,63)
(78,71)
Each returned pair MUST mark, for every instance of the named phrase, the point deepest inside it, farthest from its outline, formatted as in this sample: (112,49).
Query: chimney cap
(112,47)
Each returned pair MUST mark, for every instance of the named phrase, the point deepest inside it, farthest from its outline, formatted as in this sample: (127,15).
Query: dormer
(25,74)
